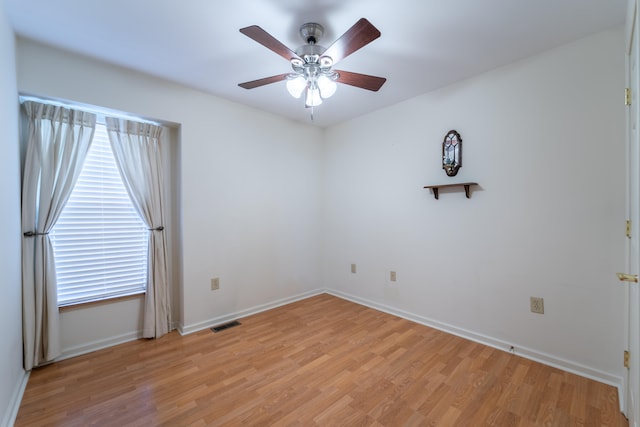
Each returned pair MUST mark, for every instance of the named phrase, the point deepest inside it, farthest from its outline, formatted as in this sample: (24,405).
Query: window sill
(108,300)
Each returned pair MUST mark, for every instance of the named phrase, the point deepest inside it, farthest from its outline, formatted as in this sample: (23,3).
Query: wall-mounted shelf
(466,185)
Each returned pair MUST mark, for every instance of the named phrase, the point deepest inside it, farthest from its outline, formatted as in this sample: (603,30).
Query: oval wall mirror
(452,153)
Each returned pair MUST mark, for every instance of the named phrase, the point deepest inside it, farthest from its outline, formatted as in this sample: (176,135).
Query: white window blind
(100,242)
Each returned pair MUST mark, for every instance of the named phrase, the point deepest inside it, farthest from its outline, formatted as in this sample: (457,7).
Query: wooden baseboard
(16,398)
(98,345)
(195,327)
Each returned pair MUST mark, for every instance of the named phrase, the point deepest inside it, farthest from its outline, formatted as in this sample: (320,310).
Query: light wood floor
(322,361)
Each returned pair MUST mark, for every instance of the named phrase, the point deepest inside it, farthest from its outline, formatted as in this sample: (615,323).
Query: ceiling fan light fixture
(312,97)
(326,62)
(296,85)
(327,86)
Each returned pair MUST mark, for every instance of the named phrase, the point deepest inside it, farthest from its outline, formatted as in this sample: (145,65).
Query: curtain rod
(98,111)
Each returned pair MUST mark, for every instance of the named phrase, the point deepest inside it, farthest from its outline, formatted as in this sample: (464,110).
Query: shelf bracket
(466,190)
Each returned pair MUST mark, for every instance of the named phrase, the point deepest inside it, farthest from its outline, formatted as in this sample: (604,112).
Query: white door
(633,202)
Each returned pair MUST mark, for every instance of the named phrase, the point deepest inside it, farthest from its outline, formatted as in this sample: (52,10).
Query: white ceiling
(425,44)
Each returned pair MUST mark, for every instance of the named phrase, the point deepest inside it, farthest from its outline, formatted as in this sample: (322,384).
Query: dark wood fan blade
(360,34)
(265,81)
(267,40)
(363,81)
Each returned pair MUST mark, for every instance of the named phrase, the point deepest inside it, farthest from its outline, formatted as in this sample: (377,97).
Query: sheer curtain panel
(58,139)
(137,151)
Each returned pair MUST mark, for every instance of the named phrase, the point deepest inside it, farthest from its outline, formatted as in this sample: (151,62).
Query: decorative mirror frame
(452,153)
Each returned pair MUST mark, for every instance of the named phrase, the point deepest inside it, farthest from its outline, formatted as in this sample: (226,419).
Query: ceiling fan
(313,73)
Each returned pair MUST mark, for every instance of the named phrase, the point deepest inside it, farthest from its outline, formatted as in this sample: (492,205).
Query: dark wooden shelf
(466,185)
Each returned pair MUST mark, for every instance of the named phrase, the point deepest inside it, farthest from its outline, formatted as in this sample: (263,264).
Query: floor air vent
(225,326)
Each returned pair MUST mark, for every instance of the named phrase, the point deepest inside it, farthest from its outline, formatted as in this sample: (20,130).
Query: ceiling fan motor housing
(311,32)
(313,63)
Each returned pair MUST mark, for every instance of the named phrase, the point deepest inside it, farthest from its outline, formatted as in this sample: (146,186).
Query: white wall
(544,138)
(250,199)
(11,371)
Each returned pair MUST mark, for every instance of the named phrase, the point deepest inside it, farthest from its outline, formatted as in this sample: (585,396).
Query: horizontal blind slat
(100,243)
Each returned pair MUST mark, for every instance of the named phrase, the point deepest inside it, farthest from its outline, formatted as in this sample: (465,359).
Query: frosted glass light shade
(296,86)
(313,98)
(327,86)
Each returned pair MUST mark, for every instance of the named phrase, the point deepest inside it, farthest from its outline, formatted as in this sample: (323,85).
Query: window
(100,242)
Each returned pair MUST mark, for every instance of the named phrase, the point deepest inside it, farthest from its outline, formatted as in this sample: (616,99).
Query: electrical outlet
(537,305)
(392,276)
(215,283)
(353,268)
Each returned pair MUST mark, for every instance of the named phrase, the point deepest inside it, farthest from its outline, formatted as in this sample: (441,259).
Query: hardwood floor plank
(322,361)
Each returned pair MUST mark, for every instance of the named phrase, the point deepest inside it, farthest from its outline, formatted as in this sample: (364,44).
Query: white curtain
(58,140)
(137,151)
